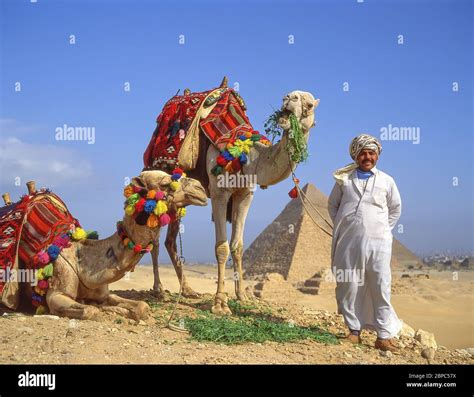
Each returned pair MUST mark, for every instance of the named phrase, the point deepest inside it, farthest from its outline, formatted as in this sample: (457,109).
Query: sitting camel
(83,271)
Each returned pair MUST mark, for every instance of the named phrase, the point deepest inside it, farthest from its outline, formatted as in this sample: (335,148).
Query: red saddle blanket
(35,220)
(225,122)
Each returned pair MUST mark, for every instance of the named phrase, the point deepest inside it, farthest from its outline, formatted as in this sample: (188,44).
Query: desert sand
(435,304)
(439,304)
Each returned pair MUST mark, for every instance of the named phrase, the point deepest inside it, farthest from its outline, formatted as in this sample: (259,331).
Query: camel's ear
(137,181)
(316,103)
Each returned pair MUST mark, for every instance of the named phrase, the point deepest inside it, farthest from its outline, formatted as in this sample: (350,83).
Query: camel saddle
(36,220)
(219,114)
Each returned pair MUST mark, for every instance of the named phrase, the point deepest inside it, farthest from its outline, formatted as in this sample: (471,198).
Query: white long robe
(364,212)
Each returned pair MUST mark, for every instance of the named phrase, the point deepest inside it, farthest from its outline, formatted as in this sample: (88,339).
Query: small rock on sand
(386,353)
(426,339)
(407,331)
(428,353)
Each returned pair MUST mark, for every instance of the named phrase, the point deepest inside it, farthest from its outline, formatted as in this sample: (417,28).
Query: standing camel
(269,165)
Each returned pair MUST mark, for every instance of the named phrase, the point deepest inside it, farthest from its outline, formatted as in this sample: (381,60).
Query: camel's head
(188,192)
(302,104)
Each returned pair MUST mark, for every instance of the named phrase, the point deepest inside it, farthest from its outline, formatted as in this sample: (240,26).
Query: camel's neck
(274,164)
(106,261)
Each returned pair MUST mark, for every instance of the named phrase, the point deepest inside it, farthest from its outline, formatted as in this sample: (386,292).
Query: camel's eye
(294,97)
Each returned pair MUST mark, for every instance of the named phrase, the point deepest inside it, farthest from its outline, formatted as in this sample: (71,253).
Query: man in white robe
(364,206)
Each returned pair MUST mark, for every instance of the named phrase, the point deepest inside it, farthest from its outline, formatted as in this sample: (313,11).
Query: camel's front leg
(157,286)
(240,206)
(63,305)
(170,244)
(137,310)
(219,210)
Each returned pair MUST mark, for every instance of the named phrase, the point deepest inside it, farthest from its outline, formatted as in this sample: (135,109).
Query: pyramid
(296,244)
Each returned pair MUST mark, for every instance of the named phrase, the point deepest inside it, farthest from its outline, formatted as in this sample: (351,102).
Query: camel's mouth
(198,199)
(284,118)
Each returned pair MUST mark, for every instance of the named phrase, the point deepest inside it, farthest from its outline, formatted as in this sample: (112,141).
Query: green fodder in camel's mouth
(296,147)
(251,327)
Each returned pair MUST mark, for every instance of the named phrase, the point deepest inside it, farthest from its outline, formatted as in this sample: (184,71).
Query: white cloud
(14,127)
(47,164)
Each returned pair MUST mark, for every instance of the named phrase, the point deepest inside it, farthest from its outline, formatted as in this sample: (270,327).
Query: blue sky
(405,85)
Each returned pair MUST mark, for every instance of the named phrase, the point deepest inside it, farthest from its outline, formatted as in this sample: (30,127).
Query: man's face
(367,159)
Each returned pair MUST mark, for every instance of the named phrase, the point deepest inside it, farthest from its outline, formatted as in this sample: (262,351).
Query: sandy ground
(439,304)
(436,305)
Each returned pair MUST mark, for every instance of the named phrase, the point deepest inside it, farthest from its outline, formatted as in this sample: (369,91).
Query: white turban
(358,144)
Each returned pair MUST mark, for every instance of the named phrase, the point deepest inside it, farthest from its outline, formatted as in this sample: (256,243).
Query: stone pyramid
(295,244)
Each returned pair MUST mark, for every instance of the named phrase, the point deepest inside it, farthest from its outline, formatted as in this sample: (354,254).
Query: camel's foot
(241,296)
(220,307)
(137,310)
(158,292)
(89,313)
(141,311)
(188,292)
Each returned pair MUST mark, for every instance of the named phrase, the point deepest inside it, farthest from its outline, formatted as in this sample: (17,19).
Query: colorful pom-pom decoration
(150,206)
(43,257)
(164,219)
(62,241)
(43,284)
(40,274)
(151,194)
(48,270)
(79,234)
(130,210)
(136,189)
(174,185)
(161,208)
(140,205)
(53,252)
(128,191)
(133,198)
(152,221)
(234,156)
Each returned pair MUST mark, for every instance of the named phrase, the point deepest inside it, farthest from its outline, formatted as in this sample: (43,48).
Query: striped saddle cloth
(29,226)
